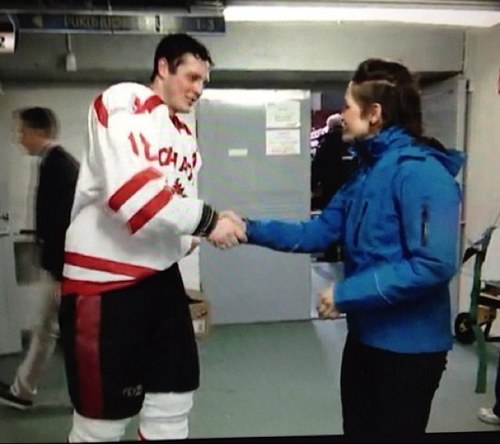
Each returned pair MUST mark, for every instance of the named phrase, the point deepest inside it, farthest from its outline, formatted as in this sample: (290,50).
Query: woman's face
(356,123)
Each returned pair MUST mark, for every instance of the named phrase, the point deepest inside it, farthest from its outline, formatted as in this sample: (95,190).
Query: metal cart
(475,325)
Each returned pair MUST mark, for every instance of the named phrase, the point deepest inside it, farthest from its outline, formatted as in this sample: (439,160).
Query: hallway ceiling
(139,6)
(224,78)
(100,6)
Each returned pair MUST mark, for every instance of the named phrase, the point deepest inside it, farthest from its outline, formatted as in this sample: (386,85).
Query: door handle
(4,216)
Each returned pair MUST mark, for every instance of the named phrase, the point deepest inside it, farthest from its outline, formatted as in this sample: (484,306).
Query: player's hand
(227,233)
(236,218)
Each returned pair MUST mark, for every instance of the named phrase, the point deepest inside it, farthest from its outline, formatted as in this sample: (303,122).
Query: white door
(10,338)
(255,150)
(444,106)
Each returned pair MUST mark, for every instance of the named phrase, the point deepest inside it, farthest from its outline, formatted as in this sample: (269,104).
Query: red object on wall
(318,117)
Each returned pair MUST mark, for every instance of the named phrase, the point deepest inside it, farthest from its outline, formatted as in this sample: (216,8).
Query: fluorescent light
(432,16)
(254,97)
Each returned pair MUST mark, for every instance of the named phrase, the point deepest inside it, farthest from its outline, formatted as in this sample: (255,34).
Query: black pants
(387,394)
(124,343)
(496,407)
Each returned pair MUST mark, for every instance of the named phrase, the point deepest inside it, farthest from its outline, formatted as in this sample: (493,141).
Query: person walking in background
(492,415)
(398,217)
(57,177)
(332,165)
(126,329)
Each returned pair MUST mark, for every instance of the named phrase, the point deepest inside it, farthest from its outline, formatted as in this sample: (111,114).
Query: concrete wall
(482,193)
(332,49)
(35,74)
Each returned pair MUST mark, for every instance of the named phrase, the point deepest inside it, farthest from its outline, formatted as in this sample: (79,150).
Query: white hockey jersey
(135,204)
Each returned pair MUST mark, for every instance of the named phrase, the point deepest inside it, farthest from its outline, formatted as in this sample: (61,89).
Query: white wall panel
(482,199)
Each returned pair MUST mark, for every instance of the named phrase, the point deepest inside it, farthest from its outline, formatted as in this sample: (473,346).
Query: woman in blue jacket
(398,217)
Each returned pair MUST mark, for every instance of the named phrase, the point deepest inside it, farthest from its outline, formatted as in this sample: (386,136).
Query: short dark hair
(393,86)
(40,118)
(174,46)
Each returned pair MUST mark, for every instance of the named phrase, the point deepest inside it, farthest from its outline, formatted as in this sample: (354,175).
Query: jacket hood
(451,159)
(396,138)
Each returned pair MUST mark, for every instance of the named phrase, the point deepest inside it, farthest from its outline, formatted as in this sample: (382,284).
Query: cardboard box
(486,314)
(200,313)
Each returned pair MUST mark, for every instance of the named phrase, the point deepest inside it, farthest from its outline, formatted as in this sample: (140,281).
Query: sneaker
(11,400)
(487,415)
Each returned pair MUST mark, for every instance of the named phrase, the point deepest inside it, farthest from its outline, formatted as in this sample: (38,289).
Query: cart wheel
(463,329)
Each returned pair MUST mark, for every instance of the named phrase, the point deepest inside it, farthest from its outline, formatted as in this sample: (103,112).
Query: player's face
(185,86)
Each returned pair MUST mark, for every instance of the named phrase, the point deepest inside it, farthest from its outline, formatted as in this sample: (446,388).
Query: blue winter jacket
(399,220)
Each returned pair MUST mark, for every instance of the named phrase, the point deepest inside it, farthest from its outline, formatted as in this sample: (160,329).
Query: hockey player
(126,330)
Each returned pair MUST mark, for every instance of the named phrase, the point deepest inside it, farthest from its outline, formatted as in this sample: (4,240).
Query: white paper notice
(7,42)
(283,114)
(282,142)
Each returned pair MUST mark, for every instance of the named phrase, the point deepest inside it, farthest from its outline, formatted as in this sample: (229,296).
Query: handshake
(229,231)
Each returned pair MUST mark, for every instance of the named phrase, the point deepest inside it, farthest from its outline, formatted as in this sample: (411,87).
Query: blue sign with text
(125,24)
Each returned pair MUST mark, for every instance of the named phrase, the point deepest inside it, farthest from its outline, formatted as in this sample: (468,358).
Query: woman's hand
(326,304)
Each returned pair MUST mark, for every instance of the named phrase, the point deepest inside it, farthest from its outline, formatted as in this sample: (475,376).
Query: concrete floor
(267,380)
(270,380)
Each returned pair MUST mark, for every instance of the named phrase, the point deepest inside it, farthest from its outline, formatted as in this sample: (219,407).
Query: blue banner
(124,24)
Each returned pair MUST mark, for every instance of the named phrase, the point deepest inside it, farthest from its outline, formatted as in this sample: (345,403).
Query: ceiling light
(254,97)
(421,15)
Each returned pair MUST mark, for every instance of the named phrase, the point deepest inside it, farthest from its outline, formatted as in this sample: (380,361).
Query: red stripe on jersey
(148,211)
(87,356)
(131,186)
(148,105)
(87,288)
(101,111)
(99,264)
(180,125)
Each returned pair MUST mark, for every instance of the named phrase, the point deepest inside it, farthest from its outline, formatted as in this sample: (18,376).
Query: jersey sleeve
(133,186)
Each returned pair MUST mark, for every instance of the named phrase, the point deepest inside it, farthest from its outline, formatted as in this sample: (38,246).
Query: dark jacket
(399,220)
(57,178)
(331,167)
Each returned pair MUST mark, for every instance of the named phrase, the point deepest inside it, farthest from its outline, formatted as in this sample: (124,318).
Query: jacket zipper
(424,226)
(358,226)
